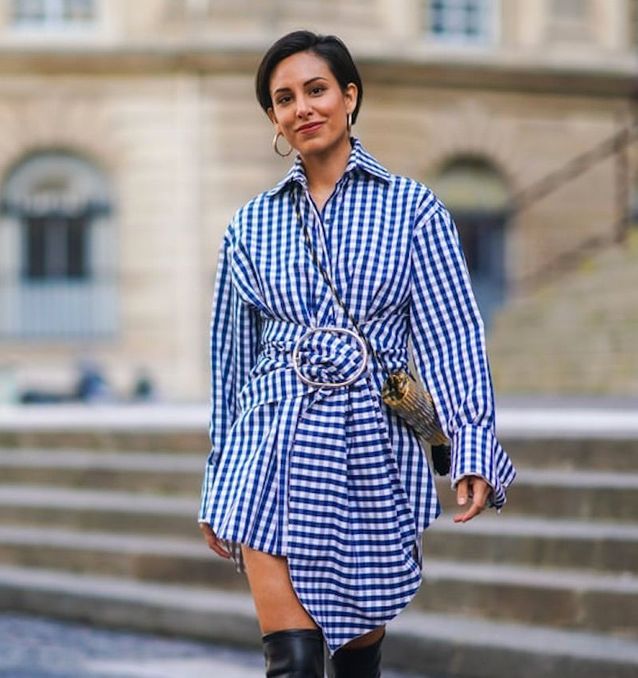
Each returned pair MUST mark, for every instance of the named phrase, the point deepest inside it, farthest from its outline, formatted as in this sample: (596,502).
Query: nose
(303,107)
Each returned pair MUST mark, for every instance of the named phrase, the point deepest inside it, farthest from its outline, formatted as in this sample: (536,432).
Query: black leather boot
(294,653)
(360,662)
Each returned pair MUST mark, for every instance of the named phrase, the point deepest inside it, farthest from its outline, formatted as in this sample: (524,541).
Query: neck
(323,170)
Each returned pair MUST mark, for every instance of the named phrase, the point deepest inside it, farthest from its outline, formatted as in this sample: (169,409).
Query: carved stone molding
(472,130)
(41,124)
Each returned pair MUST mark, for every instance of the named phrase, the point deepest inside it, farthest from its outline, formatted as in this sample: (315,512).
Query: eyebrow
(285,89)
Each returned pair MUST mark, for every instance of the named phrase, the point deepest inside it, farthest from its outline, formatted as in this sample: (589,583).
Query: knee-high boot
(294,653)
(360,662)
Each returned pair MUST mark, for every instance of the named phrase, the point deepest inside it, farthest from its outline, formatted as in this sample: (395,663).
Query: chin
(317,145)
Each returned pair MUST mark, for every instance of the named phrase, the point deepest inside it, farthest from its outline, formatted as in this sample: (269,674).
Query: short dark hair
(328,47)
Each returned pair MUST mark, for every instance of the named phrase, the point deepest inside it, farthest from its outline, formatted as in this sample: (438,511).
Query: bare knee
(276,602)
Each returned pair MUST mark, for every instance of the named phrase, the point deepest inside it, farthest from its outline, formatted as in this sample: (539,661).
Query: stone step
(106,438)
(541,451)
(576,453)
(595,495)
(72,459)
(547,596)
(541,542)
(592,495)
(90,509)
(580,494)
(443,645)
(594,545)
(161,472)
(562,598)
(136,556)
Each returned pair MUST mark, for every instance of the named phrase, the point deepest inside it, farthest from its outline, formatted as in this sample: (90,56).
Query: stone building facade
(130,134)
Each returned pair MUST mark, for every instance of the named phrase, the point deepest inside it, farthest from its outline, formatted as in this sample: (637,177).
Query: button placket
(322,220)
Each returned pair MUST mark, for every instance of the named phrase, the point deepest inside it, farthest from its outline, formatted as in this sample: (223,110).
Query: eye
(317,90)
(283,100)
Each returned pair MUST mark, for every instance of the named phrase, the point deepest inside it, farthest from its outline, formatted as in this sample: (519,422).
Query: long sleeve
(449,352)
(234,345)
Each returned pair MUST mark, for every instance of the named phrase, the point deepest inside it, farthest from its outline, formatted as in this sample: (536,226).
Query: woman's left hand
(475,489)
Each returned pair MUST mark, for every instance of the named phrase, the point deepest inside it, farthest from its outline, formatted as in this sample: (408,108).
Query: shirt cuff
(204,512)
(476,452)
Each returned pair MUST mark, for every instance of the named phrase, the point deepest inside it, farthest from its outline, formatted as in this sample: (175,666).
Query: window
(53,13)
(56,246)
(57,275)
(478,199)
(463,21)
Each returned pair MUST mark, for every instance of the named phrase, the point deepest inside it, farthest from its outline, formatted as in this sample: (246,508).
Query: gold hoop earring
(276,149)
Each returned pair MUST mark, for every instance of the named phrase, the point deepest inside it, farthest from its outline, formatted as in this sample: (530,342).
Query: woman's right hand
(214,543)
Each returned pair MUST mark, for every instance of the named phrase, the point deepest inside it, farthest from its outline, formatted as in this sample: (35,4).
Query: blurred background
(130,134)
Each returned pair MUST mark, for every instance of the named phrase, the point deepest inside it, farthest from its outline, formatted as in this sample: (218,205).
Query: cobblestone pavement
(37,647)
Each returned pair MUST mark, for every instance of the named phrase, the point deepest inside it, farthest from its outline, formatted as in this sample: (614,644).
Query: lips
(310,128)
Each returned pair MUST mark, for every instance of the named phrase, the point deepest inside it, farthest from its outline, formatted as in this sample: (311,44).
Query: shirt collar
(359,160)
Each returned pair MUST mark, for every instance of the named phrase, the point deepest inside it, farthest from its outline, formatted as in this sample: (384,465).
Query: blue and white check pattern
(331,477)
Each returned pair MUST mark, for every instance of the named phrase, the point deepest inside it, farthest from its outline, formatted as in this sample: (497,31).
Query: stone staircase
(547,588)
(578,332)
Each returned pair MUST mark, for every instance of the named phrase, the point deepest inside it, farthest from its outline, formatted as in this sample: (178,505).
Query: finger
(213,542)
(207,533)
(474,510)
(216,545)
(219,550)
(462,490)
(481,490)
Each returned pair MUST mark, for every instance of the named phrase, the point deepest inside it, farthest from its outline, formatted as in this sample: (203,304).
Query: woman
(318,491)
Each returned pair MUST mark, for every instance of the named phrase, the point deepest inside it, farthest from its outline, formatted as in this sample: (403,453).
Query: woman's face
(308,106)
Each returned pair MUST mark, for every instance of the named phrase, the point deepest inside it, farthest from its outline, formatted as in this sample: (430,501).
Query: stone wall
(146,134)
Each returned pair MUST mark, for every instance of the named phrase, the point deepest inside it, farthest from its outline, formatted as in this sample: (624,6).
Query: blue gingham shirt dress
(331,477)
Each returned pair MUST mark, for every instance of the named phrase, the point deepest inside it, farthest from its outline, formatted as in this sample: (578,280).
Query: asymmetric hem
(331,477)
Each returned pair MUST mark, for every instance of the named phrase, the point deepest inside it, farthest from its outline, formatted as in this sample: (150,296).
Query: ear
(272,116)
(350,97)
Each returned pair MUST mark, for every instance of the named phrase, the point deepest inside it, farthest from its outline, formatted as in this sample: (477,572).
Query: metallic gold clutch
(407,397)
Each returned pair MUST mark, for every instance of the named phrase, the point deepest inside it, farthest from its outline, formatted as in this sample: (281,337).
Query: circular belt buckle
(333,384)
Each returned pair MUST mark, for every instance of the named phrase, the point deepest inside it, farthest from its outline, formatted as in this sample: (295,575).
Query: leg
(293,644)
(275,599)
(366,639)
(360,658)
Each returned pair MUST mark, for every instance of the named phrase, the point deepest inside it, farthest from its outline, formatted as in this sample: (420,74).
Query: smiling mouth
(310,128)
